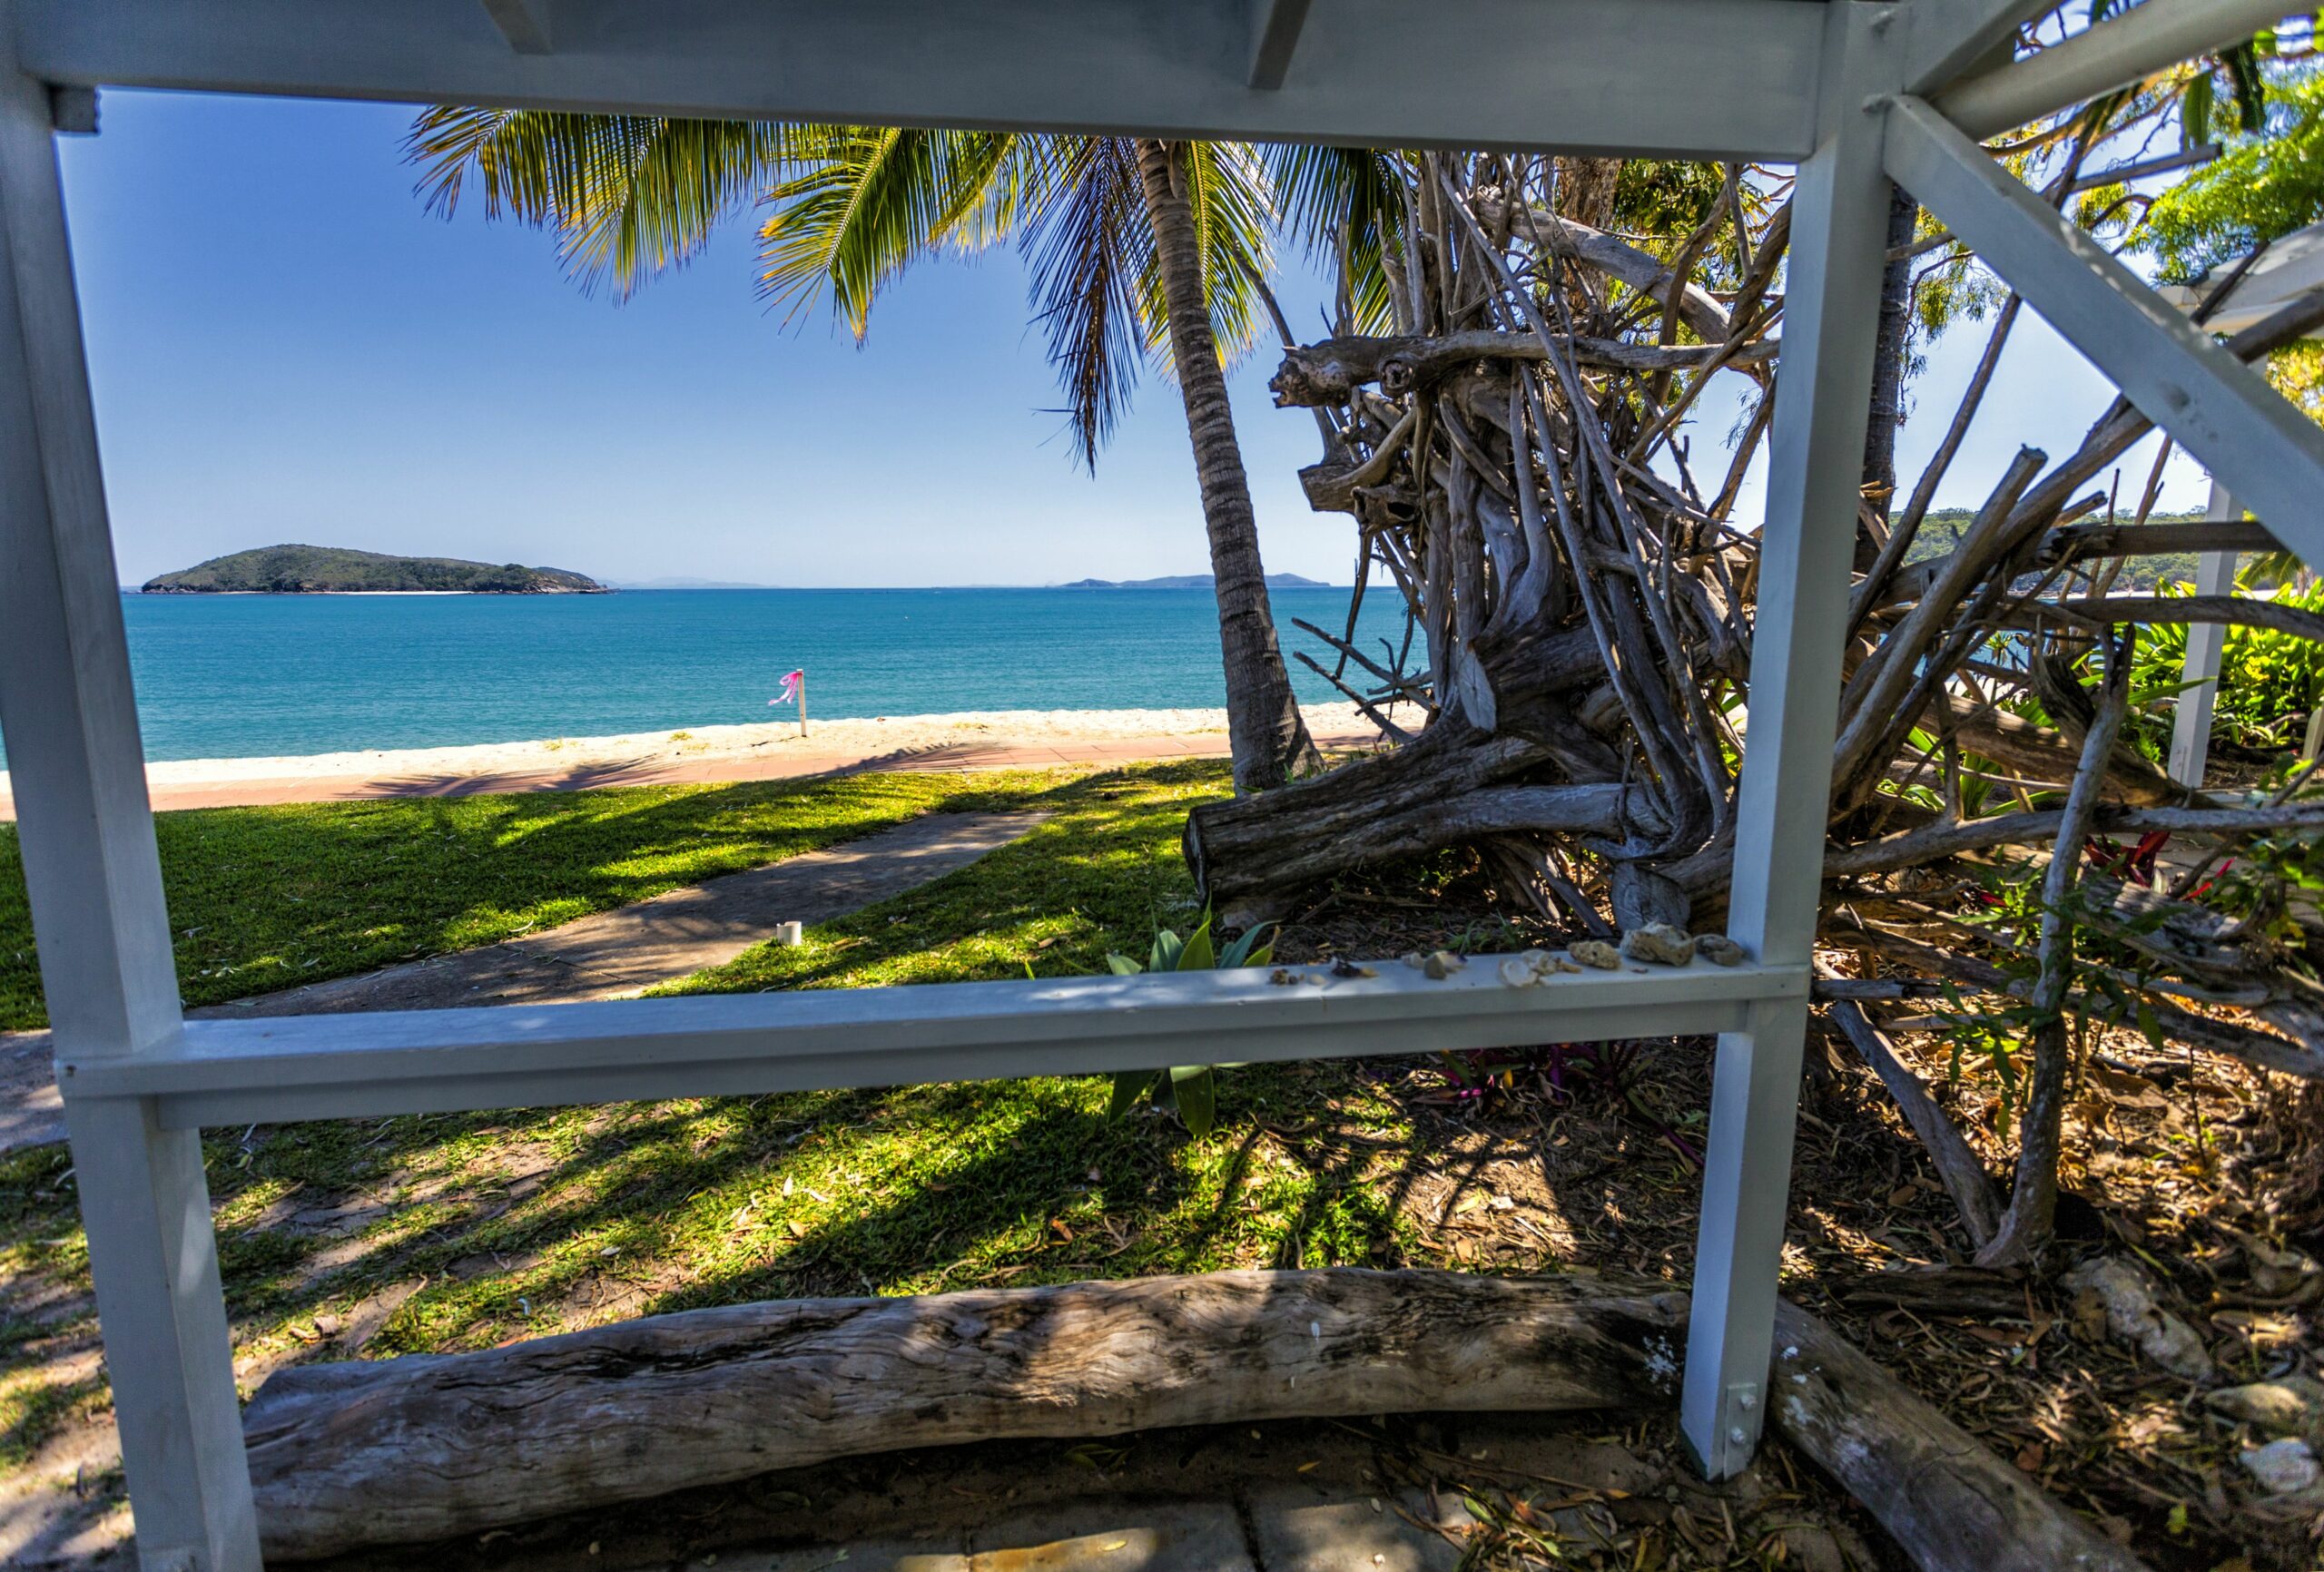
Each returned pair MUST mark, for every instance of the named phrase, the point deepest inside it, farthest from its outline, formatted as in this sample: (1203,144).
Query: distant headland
(307,570)
(1190,581)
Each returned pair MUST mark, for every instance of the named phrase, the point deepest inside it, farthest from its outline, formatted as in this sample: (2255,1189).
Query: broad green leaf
(1122,965)
(1197,955)
(1167,947)
(1196,1096)
(2152,1026)
(1239,952)
(1129,1086)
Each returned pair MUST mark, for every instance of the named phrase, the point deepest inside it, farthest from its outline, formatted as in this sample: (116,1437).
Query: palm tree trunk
(1264,729)
(1888,367)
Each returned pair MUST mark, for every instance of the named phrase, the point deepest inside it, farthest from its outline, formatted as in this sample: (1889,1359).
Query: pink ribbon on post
(794,691)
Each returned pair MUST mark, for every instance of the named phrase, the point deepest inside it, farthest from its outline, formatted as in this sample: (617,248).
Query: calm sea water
(224,677)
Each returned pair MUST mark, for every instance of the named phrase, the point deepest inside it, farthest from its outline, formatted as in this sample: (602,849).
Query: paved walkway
(1288,1496)
(723,768)
(609,955)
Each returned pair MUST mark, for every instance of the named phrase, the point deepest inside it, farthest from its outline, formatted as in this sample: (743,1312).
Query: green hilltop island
(309,570)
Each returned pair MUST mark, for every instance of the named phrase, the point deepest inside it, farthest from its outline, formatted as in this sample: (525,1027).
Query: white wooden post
(2190,720)
(87,840)
(1831,316)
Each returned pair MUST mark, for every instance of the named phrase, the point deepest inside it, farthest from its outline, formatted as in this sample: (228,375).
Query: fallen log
(1933,841)
(1940,1492)
(406,1451)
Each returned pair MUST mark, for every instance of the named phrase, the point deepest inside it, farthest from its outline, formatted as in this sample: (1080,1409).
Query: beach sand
(979,739)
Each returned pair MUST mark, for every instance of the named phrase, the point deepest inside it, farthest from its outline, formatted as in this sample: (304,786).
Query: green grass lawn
(459,1232)
(264,899)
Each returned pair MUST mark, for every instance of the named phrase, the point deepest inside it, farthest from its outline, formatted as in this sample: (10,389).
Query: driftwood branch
(406,1451)
(1964,1175)
(1330,370)
(1939,1492)
(2077,541)
(2098,611)
(1936,841)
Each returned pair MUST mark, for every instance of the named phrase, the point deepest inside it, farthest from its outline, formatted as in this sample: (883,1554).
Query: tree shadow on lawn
(264,899)
(848,1193)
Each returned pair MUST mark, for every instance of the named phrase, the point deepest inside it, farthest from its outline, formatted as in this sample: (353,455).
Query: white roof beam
(1275,34)
(1951,37)
(2266,452)
(524,22)
(2114,53)
(1569,75)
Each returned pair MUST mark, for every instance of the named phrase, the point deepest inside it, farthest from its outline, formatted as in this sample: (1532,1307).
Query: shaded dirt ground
(2203,1171)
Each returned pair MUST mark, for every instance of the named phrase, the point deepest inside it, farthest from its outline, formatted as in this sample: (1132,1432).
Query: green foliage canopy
(2266,184)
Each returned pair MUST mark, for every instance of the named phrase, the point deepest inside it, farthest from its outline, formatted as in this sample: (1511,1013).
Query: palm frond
(1089,249)
(864,202)
(1235,217)
(628,196)
(1345,204)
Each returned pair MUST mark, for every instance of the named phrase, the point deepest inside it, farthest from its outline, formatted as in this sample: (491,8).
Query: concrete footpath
(610,955)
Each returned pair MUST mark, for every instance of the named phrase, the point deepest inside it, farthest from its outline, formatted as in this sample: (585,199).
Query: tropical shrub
(2269,680)
(1190,1089)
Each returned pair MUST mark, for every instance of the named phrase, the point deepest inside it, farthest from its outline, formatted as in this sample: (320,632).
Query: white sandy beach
(700,745)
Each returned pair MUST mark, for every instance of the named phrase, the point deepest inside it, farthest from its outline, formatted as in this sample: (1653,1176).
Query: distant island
(309,570)
(1190,581)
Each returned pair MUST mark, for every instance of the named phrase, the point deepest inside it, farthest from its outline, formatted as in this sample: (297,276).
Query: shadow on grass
(264,899)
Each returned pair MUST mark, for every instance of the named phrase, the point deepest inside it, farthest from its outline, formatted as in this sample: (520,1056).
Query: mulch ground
(2202,1171)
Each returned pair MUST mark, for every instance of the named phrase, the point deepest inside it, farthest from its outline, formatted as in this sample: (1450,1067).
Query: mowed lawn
(264,899)
(443,1232)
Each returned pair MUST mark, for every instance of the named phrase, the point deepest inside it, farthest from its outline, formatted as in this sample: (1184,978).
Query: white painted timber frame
(1853,93)
(2198,700)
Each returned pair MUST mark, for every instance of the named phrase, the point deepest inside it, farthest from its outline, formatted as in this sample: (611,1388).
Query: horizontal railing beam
(2265,451)
(435,1061)
(1575,75)
(2127,48)
(1954,36)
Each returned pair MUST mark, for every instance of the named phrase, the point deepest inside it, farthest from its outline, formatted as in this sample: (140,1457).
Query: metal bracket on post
(1823,398)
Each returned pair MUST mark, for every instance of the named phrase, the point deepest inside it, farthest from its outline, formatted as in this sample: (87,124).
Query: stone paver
(609,955)
(1181,1536)
(1295,1532)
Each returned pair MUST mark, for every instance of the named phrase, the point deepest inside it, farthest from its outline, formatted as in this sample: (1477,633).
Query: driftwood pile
(418,1448)
(1577,661)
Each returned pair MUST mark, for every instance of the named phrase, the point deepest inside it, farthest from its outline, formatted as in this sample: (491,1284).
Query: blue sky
(286,346)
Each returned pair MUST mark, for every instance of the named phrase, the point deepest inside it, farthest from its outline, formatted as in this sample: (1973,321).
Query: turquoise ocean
(233,676)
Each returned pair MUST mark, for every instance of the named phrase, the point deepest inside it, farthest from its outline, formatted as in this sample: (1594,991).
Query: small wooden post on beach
(794,687)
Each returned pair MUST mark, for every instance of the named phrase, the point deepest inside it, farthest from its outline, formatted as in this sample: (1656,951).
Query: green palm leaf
(1090,253)
(1345,204)
(628,196)
(865,202)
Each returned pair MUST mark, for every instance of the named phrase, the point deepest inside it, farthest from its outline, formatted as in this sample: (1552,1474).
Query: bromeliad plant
(1190,1089)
